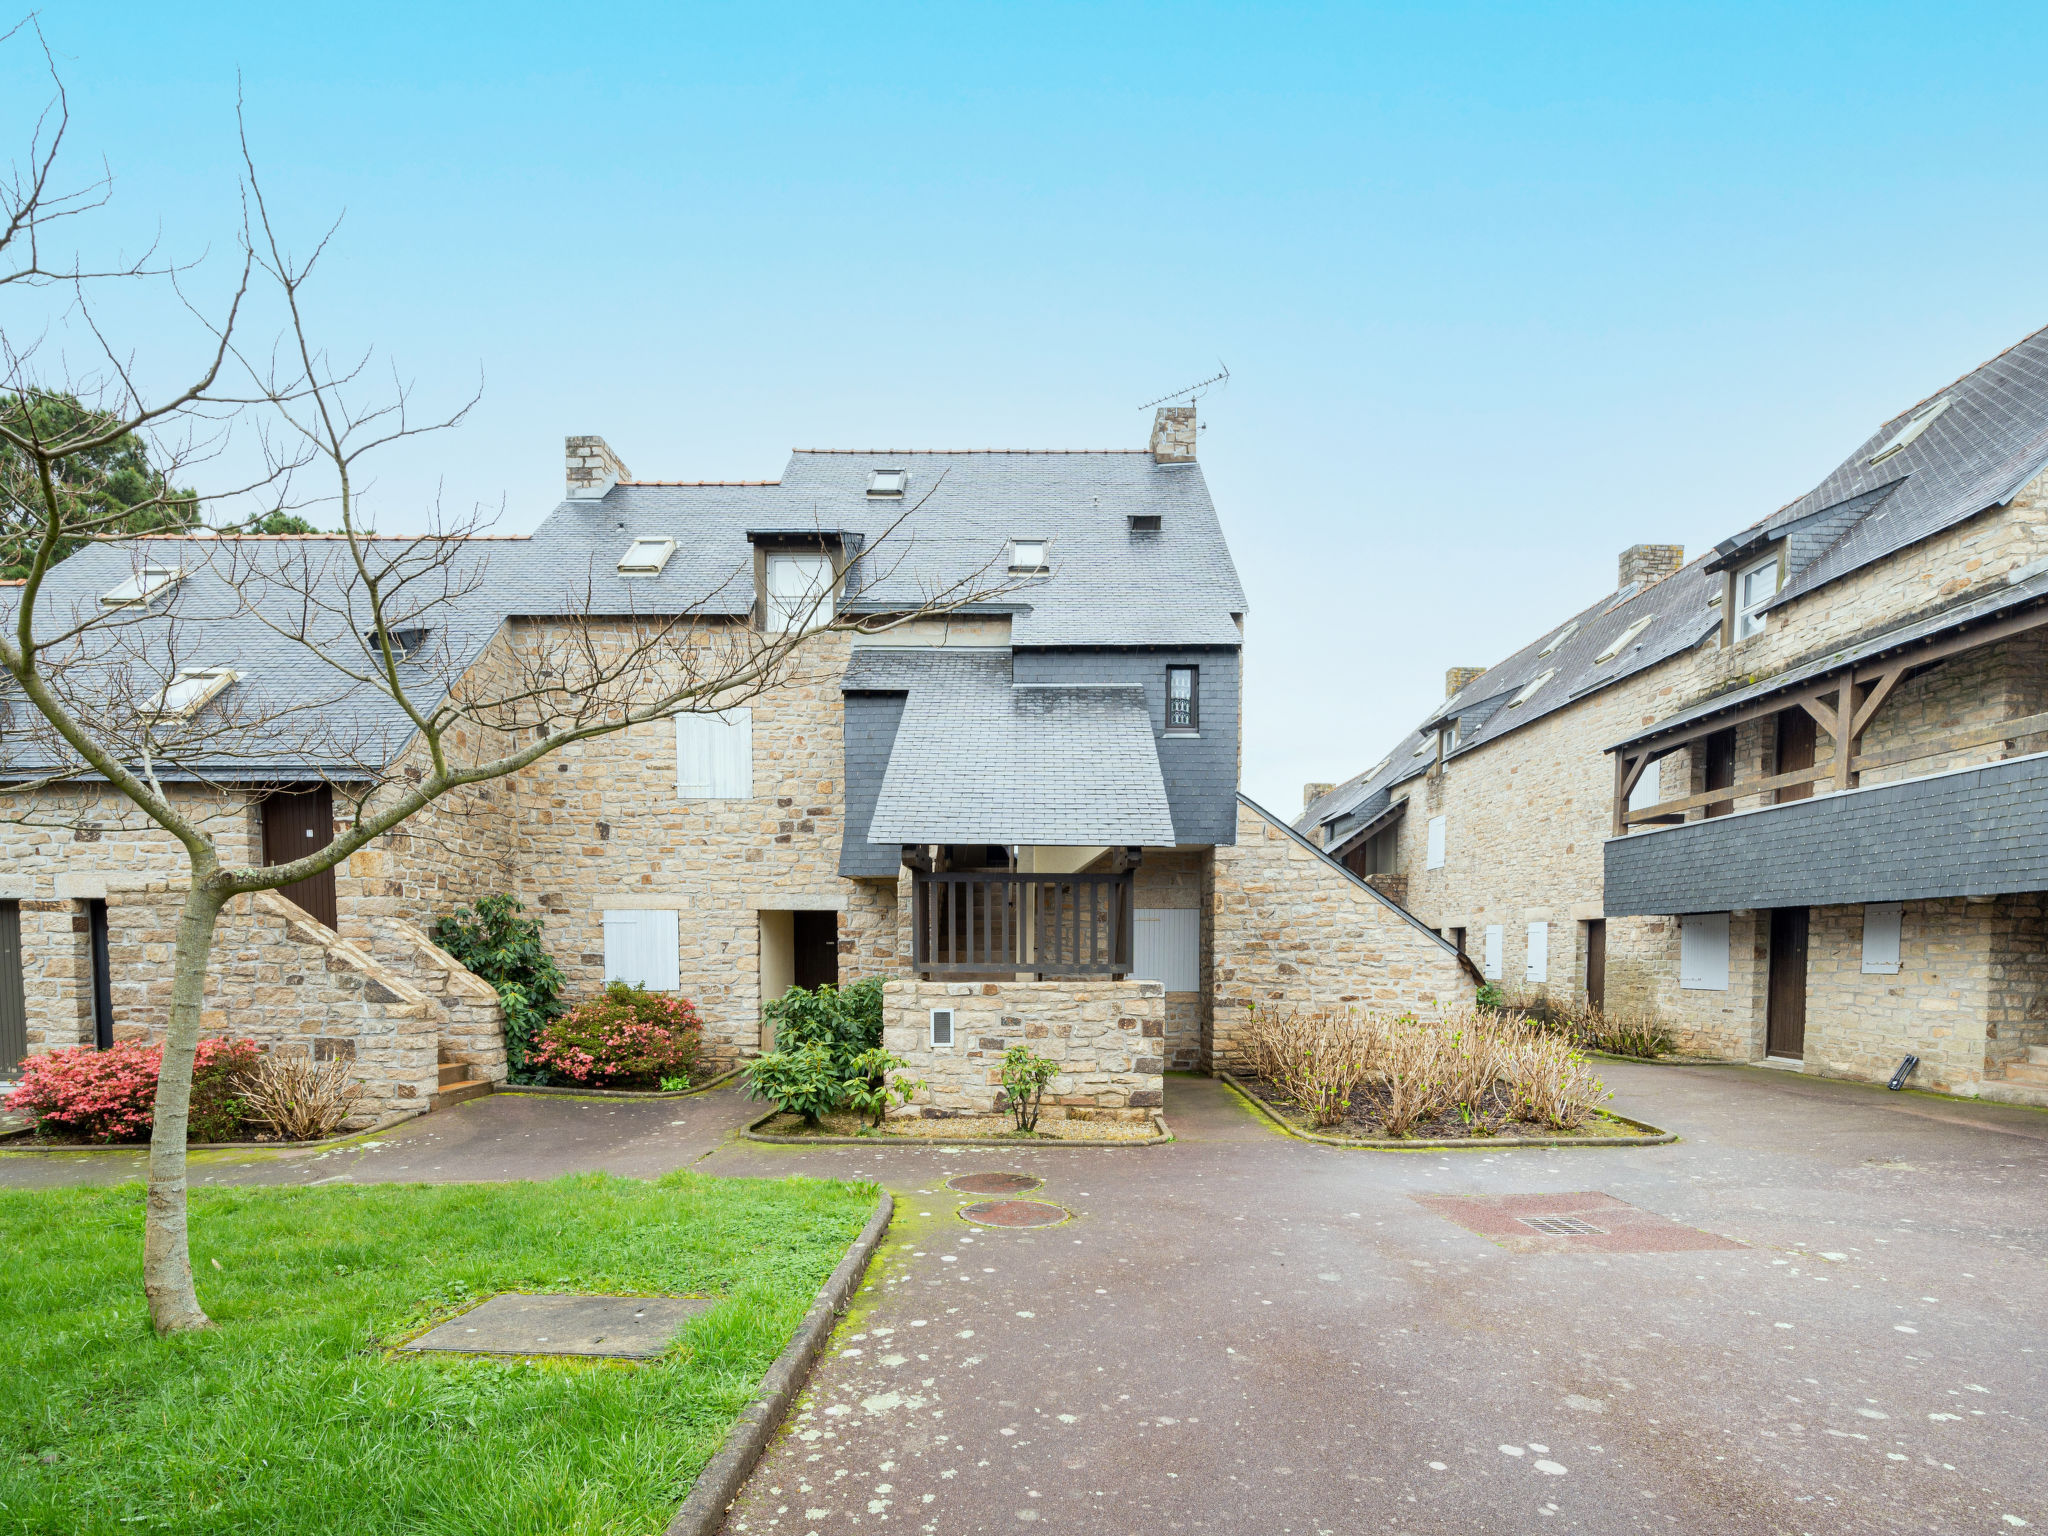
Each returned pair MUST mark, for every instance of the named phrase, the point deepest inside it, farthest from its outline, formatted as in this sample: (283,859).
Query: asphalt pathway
(1245,1332)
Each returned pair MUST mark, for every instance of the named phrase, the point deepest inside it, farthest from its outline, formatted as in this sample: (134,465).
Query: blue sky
(1502,288)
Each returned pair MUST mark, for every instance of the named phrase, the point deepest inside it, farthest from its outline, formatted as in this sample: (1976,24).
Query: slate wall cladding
(1200,771)
(1971,831)
(1108,1037)
(871,721)
(1293,930)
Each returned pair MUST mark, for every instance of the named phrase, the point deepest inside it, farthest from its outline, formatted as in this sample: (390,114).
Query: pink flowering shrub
(625,1039)
(102,1096)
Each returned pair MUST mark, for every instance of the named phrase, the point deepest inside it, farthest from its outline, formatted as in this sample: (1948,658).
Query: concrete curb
(753,1132)
(704,1511)
(1651,1137)
(536,1090)
(273,1148)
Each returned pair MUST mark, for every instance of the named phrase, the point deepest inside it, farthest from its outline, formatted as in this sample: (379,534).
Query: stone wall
(1292,929)
(1108,1037)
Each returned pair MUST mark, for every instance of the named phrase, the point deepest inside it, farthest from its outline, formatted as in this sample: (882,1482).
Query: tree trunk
(166,1254)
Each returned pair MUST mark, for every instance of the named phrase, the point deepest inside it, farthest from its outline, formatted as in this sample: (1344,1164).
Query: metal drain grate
(1562,1226)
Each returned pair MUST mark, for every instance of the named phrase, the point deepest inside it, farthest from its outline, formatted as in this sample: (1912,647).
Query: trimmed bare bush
(1411,1071)
(297,1098)
(1317,1059)
(1553,1085)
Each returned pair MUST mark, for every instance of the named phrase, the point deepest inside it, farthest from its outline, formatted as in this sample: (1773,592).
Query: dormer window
(1144,522)
(1755,585)
(189,692)
(1027,555)
(888,482)
(1621,641)
(1529,690)
(646,557)
(1559,638)
(138,590)
(405,643)
(799,593)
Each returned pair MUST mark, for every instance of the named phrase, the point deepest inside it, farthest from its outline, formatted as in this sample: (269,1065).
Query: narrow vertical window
(1433,854)
(799,595)
(1183,699)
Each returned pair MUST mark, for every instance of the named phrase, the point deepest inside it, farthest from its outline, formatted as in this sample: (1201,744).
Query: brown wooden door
(817,949)
(1796,743)
(1785,1005)
(1596,963)
(13,1003)
(1721,768)
(296,823)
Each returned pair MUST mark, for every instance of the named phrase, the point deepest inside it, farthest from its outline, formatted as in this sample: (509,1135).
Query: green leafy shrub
(803,1081)
(626,1038)
(869,1089)
(1489,995)
(1025,1076)
(845,1020)
(505,949)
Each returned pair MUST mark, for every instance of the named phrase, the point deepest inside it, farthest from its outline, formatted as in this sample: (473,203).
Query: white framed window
(1622,641)
(1529,691)
(646,557)
(1919,422)
(715,756)
(144,585)
(1559,638)
(799,593)
(1703,951)
(189,691)
(1882,921)
(942,1029)
(1027,554)
(1538,966)
(1435,856)
(1646,793)
(1166,947)
(888,482)
(1489,955)
(1755,585)
(1183,701)
(641,949)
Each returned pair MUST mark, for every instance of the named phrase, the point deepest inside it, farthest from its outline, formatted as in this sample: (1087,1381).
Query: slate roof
(1987,443)
(978,759)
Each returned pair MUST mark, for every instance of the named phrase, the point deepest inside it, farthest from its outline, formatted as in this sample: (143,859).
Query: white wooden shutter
(794,583)
(1539,952)
(1491,965)
(1645,794)
(1436,844)
(1703,951)
(1167,948)
(642,949)
(1881,924)
(715,756)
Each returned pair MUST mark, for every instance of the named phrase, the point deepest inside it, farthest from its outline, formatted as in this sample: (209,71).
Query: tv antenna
(1196,390)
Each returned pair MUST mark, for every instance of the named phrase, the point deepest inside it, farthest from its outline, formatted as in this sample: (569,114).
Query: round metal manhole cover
(1015,1213)
(993,1183)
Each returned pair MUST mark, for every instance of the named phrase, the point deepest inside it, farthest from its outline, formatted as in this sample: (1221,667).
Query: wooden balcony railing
(992,922)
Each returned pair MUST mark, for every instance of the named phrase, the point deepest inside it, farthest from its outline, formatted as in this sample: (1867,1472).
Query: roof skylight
(1027,555)
(1529,690)
(1920,422)
(888,482)
(1560,637)
(1621,641)
(189,691)
(646,557)
(1145,522)
(139,588)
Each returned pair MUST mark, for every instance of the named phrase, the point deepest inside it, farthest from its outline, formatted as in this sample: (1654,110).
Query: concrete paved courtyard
(1242,1331)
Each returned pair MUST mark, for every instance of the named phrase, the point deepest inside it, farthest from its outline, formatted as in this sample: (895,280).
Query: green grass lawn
(291,1419)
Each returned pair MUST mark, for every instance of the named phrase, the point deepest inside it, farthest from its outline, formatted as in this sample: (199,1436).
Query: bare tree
(116,699)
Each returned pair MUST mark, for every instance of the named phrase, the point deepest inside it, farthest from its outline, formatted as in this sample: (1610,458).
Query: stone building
(1024,811)
(1789,794)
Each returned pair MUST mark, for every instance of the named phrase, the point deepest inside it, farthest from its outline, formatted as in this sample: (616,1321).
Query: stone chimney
(1458,677)
(1311,793)
(593,468)
(1650,563)
(1173,435)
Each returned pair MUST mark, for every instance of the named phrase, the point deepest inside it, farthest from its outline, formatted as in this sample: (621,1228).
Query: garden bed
(841,1127)
(296,1413)
(1360,1127)
(27,1141)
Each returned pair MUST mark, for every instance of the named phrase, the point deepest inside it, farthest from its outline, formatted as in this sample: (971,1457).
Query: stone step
(453,1072)
(461,1091)
(2033,1072)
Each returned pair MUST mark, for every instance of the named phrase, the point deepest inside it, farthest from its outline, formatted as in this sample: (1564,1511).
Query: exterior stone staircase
(459,1080)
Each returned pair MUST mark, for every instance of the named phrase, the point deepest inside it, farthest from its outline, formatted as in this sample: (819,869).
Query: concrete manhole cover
(1015,1213)
(604,1327)
(993,1183)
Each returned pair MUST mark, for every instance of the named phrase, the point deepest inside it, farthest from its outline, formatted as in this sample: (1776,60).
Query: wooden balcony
(995,923)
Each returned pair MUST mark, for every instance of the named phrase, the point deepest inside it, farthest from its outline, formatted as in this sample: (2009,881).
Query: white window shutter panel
(1491,965)
(739,741)
(1539,952)
(1645,795)
(664,961)
(1703,951)
(1882,921)
(693,757)
(1435,860)
(1167,947)
(640,949)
